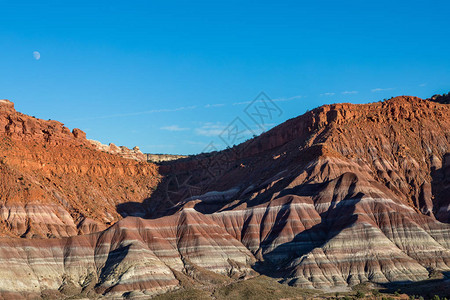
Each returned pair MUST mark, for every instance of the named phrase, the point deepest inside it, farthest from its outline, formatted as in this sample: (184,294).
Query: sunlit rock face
(56,183)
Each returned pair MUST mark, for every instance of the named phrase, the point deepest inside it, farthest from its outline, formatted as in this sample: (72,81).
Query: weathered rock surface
(133,255)
(157,158)
(55,183)
(341,195)
(123,151)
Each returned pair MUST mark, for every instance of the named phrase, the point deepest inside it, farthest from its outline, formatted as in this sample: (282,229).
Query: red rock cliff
(54,182)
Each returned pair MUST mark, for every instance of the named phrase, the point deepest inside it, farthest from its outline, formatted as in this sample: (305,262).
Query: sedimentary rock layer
(55,183)
(134,255)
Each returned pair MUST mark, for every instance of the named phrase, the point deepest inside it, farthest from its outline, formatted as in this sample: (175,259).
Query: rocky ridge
(122,151)
(55,183)
(158,158)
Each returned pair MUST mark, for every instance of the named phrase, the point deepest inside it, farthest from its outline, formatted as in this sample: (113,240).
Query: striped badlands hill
(341,195)
(134,257)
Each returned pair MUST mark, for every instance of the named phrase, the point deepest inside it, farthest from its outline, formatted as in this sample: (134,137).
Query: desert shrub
(360,294)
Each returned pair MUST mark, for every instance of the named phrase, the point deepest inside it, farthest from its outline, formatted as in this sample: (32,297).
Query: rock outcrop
(55,183)
(122,151)
(157,158)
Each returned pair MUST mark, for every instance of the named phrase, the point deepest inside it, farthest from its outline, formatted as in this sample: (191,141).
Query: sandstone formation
(55,183)
(157,158)
(341,195)
(123,151)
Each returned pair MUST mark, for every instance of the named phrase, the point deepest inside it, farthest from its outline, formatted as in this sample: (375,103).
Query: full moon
(36,55)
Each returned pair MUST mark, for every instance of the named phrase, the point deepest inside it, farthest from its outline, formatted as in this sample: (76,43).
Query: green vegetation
(444,98)
(360,294)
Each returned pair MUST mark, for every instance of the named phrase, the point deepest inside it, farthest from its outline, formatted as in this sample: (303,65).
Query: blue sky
(169,76)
